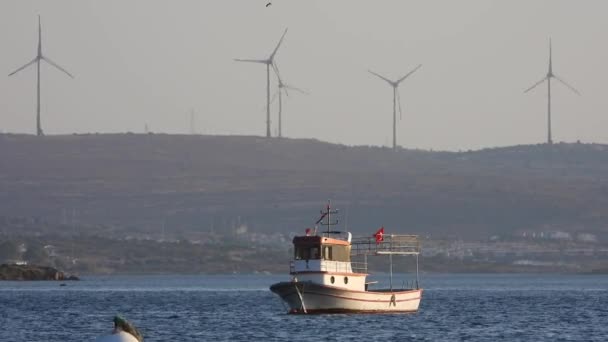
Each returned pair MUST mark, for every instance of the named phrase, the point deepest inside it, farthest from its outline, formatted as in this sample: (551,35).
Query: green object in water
(127,327)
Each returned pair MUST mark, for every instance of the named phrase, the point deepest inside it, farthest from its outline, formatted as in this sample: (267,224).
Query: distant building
(17,262)
(242,229)
(586,237)
(560,235)
(51,250)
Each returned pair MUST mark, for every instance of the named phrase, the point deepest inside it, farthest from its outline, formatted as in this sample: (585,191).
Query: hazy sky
(139,62)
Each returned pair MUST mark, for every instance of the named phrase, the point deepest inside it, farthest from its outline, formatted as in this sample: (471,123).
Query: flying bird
(268,4)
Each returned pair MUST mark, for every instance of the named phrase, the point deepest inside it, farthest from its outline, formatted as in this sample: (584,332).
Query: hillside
(128,184)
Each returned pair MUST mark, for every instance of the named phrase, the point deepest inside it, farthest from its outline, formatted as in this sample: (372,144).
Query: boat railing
(359,267)
(409,284)
(390,244)
(337,267)
(355,267)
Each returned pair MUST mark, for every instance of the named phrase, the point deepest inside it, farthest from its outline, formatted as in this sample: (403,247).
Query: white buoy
(120,336)
(123,332)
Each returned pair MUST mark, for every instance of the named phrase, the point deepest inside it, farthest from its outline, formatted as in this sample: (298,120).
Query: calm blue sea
(459,307)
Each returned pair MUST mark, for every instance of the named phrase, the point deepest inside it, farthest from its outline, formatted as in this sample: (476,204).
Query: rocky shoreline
(32,272)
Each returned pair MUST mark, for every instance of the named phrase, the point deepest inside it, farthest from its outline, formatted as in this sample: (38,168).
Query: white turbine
(283,87)
(548,78)
(39,57)
(269,63)
(396,98)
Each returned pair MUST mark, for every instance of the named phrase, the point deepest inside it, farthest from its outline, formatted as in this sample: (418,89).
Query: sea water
(462,307)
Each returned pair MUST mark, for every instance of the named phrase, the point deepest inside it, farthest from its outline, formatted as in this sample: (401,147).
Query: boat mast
(417,286)
(327,214)
(390,257)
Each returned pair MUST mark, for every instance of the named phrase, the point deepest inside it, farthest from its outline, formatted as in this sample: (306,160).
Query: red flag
(308,231)
(379,235)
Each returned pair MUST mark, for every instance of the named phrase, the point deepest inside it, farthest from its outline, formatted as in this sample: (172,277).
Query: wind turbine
(282,87)
(396,98)
(548,78)
(269,63)
(39,57)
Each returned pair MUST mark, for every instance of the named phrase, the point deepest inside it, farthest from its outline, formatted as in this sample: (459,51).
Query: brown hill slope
(132,183)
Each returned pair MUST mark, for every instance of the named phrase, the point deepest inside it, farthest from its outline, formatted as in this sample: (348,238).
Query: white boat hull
(308,297)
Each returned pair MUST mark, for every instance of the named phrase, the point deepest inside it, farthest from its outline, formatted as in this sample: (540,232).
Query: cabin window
(336,253)
(302,253)
(345,280)
(332,279)
(306,253)
(327,253)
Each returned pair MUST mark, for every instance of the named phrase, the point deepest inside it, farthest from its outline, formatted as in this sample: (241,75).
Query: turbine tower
(39,57)
(396,99)
(548,78)
(269,63)
(283,87)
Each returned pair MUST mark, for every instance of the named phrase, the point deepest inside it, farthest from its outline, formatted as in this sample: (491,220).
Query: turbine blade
(535,85)
(275,67)
(550,58)
(39,37)
(272,99)
(274,96)
(25,66)
(399,102)
(382,77)
(409,73)
(56,66)
(567,85)
(296,89)
(262,61)
(278,45)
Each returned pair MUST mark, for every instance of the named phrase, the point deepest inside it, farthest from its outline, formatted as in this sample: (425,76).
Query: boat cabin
(321,248)
(325,260)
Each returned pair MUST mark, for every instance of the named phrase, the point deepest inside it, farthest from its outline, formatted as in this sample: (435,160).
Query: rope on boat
(301,299)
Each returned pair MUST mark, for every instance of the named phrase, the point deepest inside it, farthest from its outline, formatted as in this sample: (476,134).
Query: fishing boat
(329,272)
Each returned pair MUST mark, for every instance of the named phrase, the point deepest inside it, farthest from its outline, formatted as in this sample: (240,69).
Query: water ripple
(240,308)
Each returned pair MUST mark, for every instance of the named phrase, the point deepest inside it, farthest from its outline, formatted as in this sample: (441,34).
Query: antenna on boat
(327,214)
(346,218)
